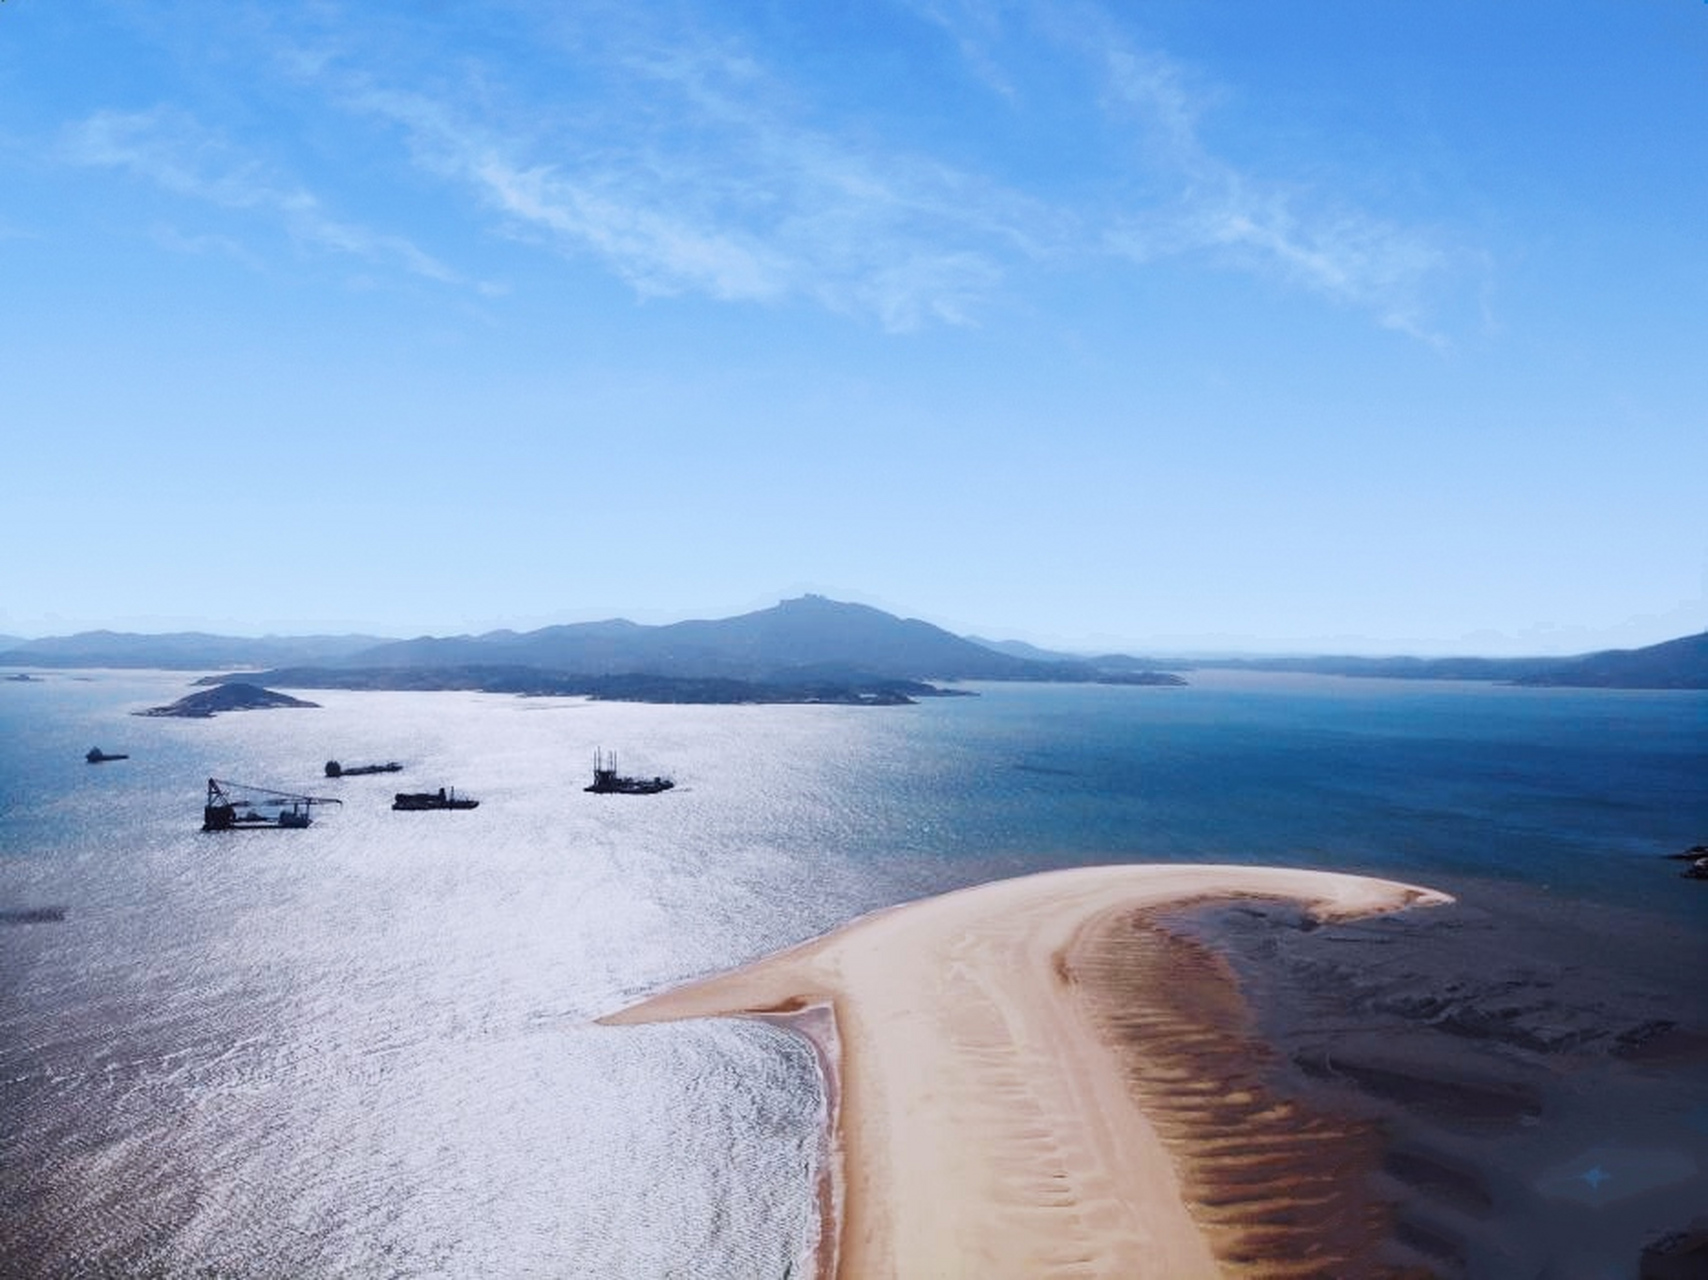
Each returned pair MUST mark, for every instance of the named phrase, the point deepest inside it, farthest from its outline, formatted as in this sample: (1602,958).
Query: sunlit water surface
(366,1049)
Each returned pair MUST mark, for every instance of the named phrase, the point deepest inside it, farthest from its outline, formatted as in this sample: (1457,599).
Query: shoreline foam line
(990,1118)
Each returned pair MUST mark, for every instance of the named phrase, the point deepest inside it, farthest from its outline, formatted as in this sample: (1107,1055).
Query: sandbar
(1033,1078)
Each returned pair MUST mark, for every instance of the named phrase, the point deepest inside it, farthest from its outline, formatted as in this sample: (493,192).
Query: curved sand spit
(1036,1080)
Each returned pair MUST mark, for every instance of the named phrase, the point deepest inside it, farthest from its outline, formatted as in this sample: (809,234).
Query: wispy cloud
(701,180)
(169,237)
(690,157)
(1275,225)
(1341,253)
(171,149)
(974,28)
(1306,237)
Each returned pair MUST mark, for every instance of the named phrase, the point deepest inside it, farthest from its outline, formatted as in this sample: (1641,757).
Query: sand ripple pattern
(1281,1191)
(1053,1184)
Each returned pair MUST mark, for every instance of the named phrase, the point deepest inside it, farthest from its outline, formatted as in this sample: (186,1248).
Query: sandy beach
(1035,1077)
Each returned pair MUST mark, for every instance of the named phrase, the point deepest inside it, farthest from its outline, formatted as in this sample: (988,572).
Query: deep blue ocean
(366,1049)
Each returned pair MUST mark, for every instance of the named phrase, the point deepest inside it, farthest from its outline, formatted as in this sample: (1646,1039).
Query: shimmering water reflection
(366,1048)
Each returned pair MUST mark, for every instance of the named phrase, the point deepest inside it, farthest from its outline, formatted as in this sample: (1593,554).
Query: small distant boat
(607,781)
(98,756)
(336,770)
(33,915)
(440,799)
(236,806)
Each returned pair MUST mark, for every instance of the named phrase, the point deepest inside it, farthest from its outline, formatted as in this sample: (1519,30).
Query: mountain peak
(811,600)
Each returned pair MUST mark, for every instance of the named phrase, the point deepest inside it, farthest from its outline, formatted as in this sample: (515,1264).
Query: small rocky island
(1696,860)
(235,696)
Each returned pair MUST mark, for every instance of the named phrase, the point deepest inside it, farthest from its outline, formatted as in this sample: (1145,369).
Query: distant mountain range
(180,651)
(809,648)
(1672,664)
(1508,670)
(808,638)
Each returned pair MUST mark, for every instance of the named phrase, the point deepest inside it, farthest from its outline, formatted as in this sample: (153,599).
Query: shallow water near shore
(366,1048)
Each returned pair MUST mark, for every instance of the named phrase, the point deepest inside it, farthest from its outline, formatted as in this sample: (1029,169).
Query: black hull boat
(440,799)
(336,770)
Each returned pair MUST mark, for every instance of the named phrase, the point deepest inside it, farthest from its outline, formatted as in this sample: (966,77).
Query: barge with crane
(237,806)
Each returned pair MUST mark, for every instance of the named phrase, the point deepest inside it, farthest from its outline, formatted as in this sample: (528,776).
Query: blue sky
(1273,325)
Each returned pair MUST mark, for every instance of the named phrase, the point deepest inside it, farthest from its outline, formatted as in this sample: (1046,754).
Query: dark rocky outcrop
(1682,1255)
(234,696)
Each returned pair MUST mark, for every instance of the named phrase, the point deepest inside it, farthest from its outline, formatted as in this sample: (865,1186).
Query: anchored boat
(336,770)
(237,806)
(440,799)
(607,781)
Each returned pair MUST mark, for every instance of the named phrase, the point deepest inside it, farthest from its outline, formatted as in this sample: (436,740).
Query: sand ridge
(989,1119)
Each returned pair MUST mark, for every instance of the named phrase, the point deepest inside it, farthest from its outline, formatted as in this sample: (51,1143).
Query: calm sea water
(365,1049)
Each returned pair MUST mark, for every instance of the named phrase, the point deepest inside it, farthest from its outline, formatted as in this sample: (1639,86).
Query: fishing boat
(237,806)
(607,781)
(440,799)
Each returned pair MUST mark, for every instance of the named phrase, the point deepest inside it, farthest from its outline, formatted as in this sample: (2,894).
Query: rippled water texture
(366,1049)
